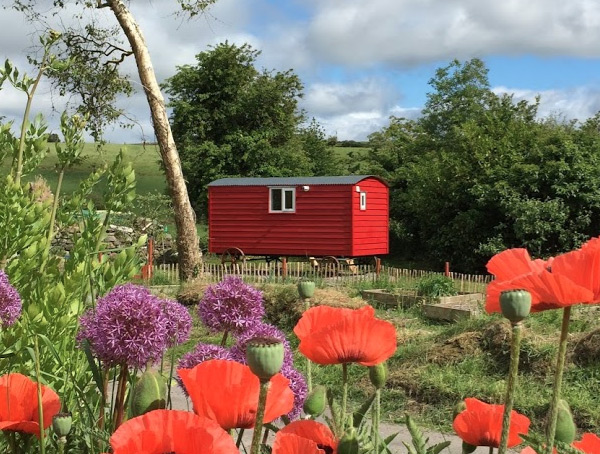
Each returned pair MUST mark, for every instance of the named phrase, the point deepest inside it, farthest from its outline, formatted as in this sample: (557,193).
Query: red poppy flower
(19,404)
(227,392)
(590,444)
(171,431)
(331,335)
(481,424)
(303,437)
(567,284)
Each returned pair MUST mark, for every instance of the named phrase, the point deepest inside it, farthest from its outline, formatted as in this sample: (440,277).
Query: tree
(230,119)
(187,240)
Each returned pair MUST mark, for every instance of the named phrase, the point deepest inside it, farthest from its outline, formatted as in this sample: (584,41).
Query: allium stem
(224,338)
(39,396)
(121,392)
(344,393)
(171,371)
(260,416)
(105,377)
(558,374)
(239,438)
(515,348)
(308,361)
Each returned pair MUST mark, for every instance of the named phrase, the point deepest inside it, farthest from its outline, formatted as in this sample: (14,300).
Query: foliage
(230,119)
(478,173)
(282,307)
(436,285)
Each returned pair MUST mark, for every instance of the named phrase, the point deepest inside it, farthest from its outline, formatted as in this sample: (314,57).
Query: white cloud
(575,103)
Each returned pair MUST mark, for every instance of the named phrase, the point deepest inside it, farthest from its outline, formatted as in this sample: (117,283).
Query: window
(282,199)
(363,201)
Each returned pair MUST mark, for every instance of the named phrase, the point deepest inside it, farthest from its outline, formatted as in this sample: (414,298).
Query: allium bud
(316,401)
(565,426)
(348,443)
(378,375)
(264,356)
(149,393)
(515,305)
(61,424)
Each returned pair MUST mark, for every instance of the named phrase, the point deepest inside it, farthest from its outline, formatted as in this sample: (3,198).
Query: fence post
(377,266)
(447,269)
(284,270)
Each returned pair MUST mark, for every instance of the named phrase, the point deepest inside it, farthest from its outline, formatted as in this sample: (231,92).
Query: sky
(361,61)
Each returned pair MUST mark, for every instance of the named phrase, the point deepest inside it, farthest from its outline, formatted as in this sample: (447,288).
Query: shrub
(435,286)
(282,305)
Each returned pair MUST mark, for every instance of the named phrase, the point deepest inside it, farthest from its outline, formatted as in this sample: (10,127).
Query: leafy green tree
(322,157)
(230,119)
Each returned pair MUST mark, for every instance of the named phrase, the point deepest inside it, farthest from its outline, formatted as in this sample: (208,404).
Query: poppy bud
(467,448)
(515,304)
(264,356)
(378,375)
(565,426)
(348,443)
(306,289)
(316,401)
(458,409)
(61,424)
(148,393)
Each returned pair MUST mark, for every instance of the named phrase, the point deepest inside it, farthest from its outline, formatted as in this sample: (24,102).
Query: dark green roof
(292,181)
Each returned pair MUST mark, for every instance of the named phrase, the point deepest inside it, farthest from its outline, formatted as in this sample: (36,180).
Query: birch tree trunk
(190,256)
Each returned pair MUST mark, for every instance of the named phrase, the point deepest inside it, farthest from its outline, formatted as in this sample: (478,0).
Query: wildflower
(231,305)
(178,322)
(10,302)
(331,335)
(128,327)
(227,392)
(19,404)
(305,436)
(480,424)
(298,387)
(171,431)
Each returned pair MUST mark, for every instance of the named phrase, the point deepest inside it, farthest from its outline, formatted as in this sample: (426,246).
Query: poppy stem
(491,450)
(558,374)
(39,395)
(515,348)
(260,416)
(344,393)
(376,418)
(12,441)
(308,361)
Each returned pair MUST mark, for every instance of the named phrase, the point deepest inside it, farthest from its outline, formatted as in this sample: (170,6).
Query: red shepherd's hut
(342,216)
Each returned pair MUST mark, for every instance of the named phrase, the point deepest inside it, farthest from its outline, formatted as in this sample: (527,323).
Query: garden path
(180,402)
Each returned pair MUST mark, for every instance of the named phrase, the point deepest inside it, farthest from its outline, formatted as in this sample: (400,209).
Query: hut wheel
(233,255)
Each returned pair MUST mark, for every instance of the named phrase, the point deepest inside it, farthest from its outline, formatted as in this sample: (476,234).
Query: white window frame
(363,201)
(283,190)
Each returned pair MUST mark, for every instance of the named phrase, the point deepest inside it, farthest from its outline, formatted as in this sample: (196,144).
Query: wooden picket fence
(334,276)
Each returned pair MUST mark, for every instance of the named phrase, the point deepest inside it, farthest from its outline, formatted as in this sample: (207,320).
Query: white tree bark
(190,256)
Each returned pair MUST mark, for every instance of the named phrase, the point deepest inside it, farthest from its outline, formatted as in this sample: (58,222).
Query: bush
(435,286)
(282,305)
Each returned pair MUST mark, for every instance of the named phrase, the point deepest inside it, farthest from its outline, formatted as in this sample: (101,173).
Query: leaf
(93,366)
(359,415)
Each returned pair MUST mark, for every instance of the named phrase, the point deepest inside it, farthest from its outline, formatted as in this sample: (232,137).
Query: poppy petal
(161,431)
(511,263)
(319,317)
(581,266)
(314,431)
(589,443)
(227,392)
(358,337)
(293,444)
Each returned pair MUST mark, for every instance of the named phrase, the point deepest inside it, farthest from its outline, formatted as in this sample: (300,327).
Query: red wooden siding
(370,227)
(321,225)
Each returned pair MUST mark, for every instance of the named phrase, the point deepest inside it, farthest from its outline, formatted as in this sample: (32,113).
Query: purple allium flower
(231,305)
(202,352)
(260,329)
(10,302)
(179,322)
(298,387)
(128,327)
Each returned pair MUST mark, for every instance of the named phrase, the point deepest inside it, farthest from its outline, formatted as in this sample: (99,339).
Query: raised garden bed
(454,308)
(401,298)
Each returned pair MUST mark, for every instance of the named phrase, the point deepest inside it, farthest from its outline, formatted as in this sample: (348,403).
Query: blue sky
(364,60)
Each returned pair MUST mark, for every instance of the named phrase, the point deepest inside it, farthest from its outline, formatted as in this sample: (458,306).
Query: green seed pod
(149,393)
(264,356)
(61,424)
(458,409)
(316,401)
(306,289)
(515,305)
(378,375)
(467,448)
(348,443)
(565,426)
